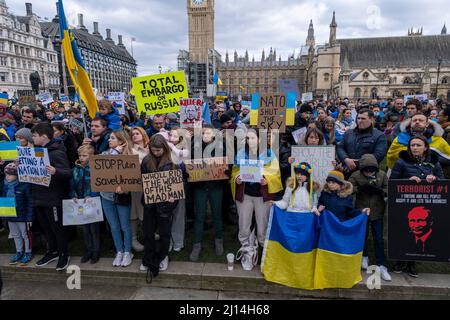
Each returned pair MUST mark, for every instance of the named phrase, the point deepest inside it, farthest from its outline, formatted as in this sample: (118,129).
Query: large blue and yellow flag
(339,252)
(75,64)
(307,252)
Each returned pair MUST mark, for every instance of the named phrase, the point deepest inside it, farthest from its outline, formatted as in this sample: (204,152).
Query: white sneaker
(164,264)
(385,274)
(143,268)
(118,260)
(365,263)
(247,257)
(178,249)
(127,259)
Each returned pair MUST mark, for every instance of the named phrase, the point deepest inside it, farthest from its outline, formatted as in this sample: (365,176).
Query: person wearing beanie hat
(337,197)
(370,186)
(19,225)
(301,191)
(24,137)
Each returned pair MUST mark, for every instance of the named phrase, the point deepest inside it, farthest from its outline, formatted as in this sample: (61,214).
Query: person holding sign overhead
(254,196)
(157,217)
(117,206)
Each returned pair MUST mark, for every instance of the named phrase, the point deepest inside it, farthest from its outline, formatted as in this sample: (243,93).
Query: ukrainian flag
(4,99)
(75,64)
(8,151)
(290,108)
(289,256)
(307,252)
(217,80)
(8,207)
(340,250)
(254,110)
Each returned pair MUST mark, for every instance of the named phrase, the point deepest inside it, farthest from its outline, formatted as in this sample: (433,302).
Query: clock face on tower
(198,3)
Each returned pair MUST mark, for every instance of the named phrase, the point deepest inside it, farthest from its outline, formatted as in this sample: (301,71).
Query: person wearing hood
(336,197)
(419,124)
(370,186)
(417,163)
(110,114)
(47,201)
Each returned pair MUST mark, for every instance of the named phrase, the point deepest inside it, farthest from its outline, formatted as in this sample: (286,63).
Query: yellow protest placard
(161,93)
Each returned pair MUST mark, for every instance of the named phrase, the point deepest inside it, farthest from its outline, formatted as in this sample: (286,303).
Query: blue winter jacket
(24,202)
(112,118)
(80,184)
(341,207)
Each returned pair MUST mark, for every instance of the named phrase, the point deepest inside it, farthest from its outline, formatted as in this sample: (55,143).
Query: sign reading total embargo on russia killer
(160,93)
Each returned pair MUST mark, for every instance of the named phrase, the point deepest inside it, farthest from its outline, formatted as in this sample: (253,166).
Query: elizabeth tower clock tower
(201,29)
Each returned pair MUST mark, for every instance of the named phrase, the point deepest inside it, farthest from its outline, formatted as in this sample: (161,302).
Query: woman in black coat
(417,163)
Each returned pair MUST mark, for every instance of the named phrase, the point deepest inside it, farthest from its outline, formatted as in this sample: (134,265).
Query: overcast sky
(161,27)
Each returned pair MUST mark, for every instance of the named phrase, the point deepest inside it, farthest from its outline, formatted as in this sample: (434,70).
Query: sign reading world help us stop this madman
(32,166)
(161,93)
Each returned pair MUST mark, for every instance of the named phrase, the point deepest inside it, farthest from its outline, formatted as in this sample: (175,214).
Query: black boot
(86,257)
(95,257)
(411,269)
(399,266)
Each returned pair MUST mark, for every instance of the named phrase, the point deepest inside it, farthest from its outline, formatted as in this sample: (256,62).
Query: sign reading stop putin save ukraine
(160,93)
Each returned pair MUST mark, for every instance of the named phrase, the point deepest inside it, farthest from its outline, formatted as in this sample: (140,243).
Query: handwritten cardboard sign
(162,186)
(251,170)
(32,166)
(109,172)
(211,169)
(319,157)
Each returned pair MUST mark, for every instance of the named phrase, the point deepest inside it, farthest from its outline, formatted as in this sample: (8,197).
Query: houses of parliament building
(383,67)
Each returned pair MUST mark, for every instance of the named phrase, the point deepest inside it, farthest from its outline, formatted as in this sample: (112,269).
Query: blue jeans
(377,234)
(119,220)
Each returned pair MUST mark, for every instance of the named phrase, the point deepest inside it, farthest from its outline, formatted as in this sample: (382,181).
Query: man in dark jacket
(100,135)
(364,139)
(47,201)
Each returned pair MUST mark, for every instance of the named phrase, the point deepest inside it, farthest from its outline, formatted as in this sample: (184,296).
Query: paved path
(34,290)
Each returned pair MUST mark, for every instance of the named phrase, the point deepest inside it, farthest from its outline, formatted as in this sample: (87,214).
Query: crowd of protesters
(411,137)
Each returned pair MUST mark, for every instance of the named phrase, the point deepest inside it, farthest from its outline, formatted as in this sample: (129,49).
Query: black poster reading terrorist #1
(419,221)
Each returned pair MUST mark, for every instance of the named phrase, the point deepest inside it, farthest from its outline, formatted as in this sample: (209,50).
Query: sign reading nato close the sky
(161,93)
